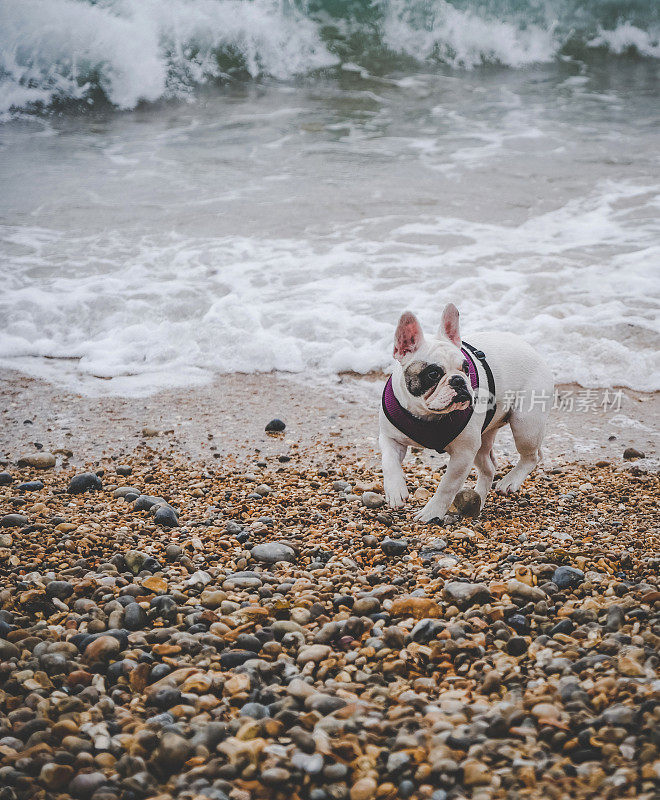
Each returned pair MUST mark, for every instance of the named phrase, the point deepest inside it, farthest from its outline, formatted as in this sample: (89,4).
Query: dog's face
(435,372)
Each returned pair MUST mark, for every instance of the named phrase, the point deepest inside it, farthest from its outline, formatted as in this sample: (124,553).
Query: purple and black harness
(437,434)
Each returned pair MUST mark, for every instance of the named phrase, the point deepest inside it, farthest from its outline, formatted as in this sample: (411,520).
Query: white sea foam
(462,38)
(142,50)
(172,310)
(128,51)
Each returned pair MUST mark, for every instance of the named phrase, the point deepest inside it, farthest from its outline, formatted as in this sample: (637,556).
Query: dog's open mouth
(459,402)
(457,405)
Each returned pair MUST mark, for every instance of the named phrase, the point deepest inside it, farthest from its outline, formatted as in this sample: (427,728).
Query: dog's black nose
(457,382)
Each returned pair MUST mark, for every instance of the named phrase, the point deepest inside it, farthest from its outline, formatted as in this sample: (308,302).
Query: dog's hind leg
(528,429)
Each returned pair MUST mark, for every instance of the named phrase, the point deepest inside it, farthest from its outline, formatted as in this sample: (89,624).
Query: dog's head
(435,372)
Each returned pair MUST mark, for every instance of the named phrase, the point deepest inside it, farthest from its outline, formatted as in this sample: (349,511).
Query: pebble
(173,552)
(275,426)
(631,453)
(85,784)
(394,547)
(102,648)
(84,482)
(30,486)
(364,789)
(373,661)
(465,595)
(468,503)
(5,479)
(13,521)
(372,500)
(313,653)
(135,617)
(166,516)
(233,528)
(567,577)
(272,552)
(59,589)
(56,776)
(41,460)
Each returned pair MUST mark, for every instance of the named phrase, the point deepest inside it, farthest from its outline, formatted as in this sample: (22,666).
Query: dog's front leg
(458,469)
(394,481)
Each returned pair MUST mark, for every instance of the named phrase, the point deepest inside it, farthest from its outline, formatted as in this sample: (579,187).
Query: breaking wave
(56,53)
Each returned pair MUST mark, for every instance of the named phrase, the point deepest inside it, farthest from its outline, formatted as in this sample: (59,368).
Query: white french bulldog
(431,379)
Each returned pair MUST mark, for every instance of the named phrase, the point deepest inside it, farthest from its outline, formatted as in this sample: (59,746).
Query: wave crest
(123,52)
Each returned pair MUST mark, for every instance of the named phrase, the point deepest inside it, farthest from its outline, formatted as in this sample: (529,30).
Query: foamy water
(127,51)
(284,225)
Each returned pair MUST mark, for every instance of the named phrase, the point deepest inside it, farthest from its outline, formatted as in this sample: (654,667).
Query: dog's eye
(466,368)
(433,374)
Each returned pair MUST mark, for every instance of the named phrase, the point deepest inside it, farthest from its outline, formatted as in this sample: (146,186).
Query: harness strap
(492,405)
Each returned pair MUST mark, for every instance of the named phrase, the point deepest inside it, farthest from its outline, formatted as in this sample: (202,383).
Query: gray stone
(85,784)
(42,460)
(172,552)
(13,521)
(166,516)
(615,618)
(519,589)
(312,763)
(30,486)
(121,491)
(135,617)
(567,577)
(8,650)
(84,482)
(324,703)
(397,761)
(145,502)
(242,580)
(313,653)
(394,547)
(465,595)
(272,552)
(233,528)
(372,500)
(59,589)
(275,426)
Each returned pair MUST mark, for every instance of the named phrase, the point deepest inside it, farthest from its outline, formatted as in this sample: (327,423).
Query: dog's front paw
(396,494)
(432,510)
(509,484)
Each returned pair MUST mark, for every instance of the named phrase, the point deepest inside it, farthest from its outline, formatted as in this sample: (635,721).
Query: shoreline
(225,419)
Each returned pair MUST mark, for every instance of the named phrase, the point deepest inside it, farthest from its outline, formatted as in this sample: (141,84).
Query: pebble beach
(180,629)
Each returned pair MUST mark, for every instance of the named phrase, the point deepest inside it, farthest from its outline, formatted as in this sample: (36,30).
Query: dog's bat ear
(449,326)
(408,337)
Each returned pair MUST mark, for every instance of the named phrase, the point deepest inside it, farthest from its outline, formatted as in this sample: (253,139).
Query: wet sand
(227,419)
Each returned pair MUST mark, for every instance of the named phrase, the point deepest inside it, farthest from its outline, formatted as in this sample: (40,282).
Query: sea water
(190,187)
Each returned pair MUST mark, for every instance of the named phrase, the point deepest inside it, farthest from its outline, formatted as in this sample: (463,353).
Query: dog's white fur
(518,370)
